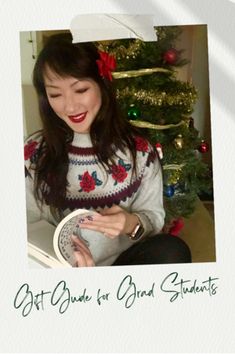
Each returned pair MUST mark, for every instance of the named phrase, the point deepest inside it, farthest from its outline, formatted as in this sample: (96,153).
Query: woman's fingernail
(84,219)
(76,248)
(90,218)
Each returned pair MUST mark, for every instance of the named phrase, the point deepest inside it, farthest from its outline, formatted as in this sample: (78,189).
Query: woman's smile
(78,118)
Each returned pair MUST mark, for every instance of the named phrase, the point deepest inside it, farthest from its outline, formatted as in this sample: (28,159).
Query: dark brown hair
(109,131)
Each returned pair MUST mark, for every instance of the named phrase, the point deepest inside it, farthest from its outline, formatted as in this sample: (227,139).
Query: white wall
(200,77)
(194,42)
(27,49)
(31,118)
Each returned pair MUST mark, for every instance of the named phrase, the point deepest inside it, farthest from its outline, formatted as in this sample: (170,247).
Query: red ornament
(177,226)
(203,147)
(171,56)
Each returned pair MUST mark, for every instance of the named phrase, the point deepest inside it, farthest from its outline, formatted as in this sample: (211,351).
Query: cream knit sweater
(91,187)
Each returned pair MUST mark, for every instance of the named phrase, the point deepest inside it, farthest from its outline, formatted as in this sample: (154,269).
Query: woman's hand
(82,253)
(112,222)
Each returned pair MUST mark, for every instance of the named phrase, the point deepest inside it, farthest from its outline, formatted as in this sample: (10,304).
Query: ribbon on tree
(143,124)
(139,72)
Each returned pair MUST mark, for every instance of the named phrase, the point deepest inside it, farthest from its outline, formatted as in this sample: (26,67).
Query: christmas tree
(152,98)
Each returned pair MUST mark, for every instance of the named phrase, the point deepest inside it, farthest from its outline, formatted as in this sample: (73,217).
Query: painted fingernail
(76,248)
(81,220)
(84,219)
(90,218)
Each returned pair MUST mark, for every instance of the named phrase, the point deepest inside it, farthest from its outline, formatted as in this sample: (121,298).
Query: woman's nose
(70,104)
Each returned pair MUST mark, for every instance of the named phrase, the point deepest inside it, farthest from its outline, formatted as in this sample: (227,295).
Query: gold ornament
(175,176)
(178,142)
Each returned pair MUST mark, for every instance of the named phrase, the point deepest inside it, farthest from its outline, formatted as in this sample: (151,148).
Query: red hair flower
(106,64)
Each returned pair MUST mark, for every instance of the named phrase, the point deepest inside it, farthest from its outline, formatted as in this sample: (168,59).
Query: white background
(196,323)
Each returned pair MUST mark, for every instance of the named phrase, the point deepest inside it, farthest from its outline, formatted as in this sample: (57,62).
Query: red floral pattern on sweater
(119,173)
(30,149)
(87,182)
(141,144)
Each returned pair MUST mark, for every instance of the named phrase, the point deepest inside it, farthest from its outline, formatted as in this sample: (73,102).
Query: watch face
(138,233)
(69,226)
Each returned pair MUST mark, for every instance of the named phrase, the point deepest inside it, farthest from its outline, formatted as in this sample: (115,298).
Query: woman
(88,156)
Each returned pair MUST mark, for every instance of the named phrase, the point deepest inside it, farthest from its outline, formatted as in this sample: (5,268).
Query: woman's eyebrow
(74,83)
(53,86)
(57,87)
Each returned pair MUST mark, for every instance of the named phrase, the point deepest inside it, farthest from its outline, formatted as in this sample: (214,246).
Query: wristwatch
(137,233)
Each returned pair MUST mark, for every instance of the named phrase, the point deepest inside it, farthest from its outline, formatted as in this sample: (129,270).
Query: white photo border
(200,321)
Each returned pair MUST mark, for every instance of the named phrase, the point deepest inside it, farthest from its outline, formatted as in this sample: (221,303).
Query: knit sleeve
(148,201)
(31,151)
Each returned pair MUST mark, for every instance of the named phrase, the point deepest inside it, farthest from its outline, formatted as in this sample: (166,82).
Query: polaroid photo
(169,307)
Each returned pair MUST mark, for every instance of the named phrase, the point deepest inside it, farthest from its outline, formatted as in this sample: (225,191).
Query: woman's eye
(82,90)
(54,95)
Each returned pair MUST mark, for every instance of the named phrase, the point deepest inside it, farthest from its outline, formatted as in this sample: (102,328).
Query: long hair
(109,131)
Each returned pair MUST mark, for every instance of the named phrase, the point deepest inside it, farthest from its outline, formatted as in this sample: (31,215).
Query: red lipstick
(78,118)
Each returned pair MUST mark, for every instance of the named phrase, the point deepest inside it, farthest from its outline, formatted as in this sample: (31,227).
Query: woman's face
(76,101)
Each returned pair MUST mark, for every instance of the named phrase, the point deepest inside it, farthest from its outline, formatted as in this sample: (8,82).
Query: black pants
(159,249)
